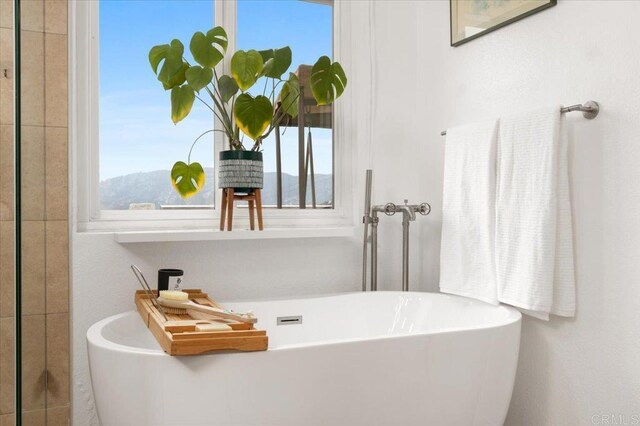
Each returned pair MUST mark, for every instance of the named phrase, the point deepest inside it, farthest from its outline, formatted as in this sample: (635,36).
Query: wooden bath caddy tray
(179,335)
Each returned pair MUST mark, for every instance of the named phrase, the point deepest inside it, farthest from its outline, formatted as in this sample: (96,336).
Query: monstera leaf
(276,61)
(290,95)
(198,77)
(253,115)
(267,66)
(208,50)
(171,57)
(328,81)
(227,88)
(246,68)
(177,79)
(182,98)
(187,179)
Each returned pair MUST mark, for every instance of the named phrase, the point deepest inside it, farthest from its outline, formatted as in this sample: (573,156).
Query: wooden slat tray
(178,335)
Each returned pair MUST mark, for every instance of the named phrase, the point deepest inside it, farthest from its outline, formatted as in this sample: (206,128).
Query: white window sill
(240,234)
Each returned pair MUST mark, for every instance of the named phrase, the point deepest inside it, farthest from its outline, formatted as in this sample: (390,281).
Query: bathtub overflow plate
(290,320)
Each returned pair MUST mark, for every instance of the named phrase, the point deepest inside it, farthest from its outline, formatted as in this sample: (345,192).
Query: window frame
(84,140)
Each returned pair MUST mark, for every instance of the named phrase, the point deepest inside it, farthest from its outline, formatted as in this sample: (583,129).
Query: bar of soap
(213,326)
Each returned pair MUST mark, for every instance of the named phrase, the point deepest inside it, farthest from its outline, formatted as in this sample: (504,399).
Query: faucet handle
(424,209)
(390,209)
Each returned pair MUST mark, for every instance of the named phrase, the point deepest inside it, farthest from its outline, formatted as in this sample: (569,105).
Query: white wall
(406,85)
(570,370)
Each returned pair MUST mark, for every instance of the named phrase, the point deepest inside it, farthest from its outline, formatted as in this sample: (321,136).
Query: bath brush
(177,302)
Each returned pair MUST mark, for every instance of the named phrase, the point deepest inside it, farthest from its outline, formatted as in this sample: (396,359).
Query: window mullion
(93,110)
(224,16)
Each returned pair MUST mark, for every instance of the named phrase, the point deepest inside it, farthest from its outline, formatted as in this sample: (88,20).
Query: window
(308,29)
(138,141)
(132,142)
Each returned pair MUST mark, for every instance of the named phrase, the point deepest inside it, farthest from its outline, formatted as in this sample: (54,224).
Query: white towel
(534,251)
(467,265)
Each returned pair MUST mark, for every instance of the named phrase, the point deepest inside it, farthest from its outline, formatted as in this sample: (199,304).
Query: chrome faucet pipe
(406,218)
(366,219)
(374,250)
(411,209)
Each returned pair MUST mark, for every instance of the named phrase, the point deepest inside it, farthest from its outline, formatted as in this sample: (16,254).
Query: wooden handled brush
(177,302)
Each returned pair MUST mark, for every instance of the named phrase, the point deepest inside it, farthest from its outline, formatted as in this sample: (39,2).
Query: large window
(138,143)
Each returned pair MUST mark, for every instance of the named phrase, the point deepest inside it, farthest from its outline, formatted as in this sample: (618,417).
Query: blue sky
(136,132)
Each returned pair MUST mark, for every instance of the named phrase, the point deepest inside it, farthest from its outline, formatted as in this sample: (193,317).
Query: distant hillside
(155,187)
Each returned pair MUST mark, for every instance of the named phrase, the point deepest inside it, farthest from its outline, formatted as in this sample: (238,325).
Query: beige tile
(7,365)
(32,15)
(57,169)
(56,80)
(33,268)
(34,418)
(6,100)
(32,149)
(7,420)
(32,78)
(33,362)
(58,416)
(6,76)
(57,360)
(57,266)
(6,13)
(55,16)
(6,48)
(6,172)
(7,305)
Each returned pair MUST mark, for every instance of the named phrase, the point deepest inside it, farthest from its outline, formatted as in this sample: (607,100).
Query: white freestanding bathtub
(377,358)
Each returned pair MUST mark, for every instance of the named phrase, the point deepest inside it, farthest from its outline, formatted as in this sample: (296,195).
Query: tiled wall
(45,246)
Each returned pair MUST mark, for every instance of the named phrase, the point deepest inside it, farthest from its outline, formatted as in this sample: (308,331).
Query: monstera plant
(239,112)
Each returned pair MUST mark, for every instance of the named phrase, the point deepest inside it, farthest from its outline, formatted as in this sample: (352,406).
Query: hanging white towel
(534,251)
(467,265)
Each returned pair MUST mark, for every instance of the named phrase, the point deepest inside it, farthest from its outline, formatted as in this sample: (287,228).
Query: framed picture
(471,19)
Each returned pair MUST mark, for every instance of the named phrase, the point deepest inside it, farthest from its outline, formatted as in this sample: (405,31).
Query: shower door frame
(17,183)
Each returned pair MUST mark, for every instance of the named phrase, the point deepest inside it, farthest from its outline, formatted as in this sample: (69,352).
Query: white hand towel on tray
(467,264)
(534,249)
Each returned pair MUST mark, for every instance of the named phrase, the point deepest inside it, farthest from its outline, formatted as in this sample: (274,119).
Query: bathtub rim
(94,333)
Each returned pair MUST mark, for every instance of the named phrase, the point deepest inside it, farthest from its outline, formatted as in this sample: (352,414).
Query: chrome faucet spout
(409,212)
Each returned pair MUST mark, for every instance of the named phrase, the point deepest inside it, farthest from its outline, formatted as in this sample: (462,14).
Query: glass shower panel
(43,212)
(31,213)
(7,223)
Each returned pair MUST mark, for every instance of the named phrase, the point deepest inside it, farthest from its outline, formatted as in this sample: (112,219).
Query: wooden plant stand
(255,205)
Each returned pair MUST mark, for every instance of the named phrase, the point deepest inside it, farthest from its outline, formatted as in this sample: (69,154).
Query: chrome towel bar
(590,110)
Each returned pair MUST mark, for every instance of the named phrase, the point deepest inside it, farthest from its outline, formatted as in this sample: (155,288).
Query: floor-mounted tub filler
(374,358)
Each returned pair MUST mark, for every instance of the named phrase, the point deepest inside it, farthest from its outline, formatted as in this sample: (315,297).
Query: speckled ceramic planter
(241,170)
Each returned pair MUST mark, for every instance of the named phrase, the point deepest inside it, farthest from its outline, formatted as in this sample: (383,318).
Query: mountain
(155,187)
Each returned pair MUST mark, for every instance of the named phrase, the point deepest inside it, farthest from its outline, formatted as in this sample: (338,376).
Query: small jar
(170,279)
